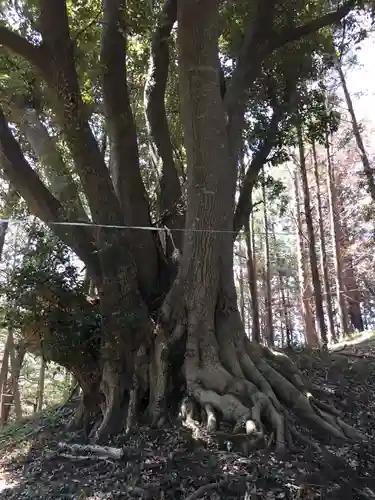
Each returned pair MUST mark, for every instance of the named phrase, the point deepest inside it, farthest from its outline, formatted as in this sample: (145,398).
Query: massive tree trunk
(224,372)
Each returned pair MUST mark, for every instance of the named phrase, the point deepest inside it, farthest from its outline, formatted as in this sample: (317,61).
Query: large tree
(163,322)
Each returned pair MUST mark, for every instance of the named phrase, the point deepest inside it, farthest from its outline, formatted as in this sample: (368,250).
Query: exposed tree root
(250,386)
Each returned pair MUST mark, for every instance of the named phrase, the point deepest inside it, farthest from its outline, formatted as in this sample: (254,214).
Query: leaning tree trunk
(224,372)
(367,169)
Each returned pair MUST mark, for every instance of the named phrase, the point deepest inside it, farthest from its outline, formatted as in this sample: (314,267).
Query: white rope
(116,226)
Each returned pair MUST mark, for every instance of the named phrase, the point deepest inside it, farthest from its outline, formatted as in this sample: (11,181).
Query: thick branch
(288,35)
(122,136)
(62,76)
(156,116)
(254,50)
(120,121)
(40,201)
(62,183)
(244,205)
(20,46)
(259,42)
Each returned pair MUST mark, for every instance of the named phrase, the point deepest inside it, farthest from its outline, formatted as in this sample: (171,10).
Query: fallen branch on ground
(100,451)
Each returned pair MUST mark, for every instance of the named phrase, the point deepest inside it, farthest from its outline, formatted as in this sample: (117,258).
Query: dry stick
(81,458)
(103,451)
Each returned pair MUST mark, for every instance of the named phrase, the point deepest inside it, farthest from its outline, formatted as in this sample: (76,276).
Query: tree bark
(284,306)
(267,265)
(323,252)
(252,279)
(311,239)
(10,387)
(340,294)
(40,394)
(304,282)
(3,379)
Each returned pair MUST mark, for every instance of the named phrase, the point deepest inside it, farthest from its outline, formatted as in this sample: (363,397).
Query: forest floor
(170,464)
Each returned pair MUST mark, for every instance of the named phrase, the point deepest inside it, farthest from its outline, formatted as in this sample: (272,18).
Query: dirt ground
(170,464)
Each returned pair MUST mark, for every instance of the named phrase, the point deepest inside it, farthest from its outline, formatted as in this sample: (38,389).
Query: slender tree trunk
(268,295)
(252,278)
(335,241)
(10,393)
(323,252)
(311,238)
(367,169)
(304,282)
(15,366)
(289,310)
(3,379)
(284,312)
(40,395)
(241,282)
(352,293)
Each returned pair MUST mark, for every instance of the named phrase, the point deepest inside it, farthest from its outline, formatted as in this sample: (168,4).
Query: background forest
(304,221)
